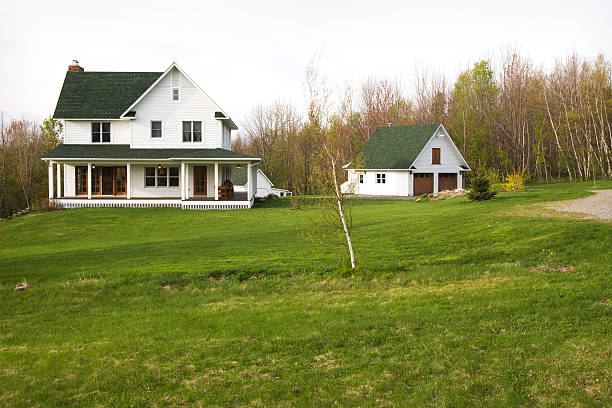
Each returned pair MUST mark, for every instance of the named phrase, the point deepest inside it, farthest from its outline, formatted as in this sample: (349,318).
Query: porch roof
(124,152)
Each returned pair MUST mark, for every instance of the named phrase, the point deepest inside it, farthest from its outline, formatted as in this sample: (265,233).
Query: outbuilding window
(100,132)
(435,155)
(361,179)
(381,178)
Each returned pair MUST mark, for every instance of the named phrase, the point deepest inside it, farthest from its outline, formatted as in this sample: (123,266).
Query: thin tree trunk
(340,210)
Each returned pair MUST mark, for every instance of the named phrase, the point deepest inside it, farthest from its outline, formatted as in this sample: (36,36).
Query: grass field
(500,303)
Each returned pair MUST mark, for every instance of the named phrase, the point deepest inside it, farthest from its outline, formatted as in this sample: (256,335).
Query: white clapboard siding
(450,160)
(396,183)
(193,105)
(79,131)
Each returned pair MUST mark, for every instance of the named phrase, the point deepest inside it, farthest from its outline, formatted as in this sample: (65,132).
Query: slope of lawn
(501,303)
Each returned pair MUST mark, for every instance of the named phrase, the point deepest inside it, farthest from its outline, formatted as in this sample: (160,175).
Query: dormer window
(175,94)
(100,132)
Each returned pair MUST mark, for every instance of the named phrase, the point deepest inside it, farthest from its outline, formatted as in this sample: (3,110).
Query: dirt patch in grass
(552,268)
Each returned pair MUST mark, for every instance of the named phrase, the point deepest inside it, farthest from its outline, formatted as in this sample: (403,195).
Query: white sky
(246,52)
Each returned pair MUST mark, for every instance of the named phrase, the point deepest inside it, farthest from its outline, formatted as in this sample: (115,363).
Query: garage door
(423,183)
(447,181)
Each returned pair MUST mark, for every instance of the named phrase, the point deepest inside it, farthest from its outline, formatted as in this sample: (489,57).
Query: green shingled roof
(101,95)
(394,147)
(114,151)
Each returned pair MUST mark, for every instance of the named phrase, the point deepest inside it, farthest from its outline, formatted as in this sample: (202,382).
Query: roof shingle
(394,147)
(101,95)
(120,152)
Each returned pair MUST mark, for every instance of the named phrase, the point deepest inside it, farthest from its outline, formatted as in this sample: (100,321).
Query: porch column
(59,180)
(435,181)
(128,181)
(410,183)
(248,184)
(50,179)
(216,181)
(183,182)
(89,181)
(187,182)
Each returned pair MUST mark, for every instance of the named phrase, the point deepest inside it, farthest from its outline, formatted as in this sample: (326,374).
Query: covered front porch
(172,183)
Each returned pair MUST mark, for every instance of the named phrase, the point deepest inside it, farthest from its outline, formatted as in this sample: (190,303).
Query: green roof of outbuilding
(101,95)
(394,147)
(116,151)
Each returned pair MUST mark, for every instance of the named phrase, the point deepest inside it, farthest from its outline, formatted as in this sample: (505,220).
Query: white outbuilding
(406,161)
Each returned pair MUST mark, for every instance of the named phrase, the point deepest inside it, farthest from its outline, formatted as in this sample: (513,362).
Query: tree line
(23,175)
(503,115)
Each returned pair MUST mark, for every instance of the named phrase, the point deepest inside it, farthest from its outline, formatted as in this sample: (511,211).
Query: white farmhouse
(264,186)
(142,139)
(406,161)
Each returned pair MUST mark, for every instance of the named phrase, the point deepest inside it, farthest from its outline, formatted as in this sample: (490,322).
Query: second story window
(175,94)
(100,132)
(435,155)
(192,131)
(156,128)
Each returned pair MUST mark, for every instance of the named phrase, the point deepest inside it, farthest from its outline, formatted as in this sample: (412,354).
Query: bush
(296,203)
(47,205)
(492,175)
(499,187)
(480,190)
(516,180)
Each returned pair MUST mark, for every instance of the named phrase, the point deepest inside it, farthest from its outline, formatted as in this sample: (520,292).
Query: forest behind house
(553,124)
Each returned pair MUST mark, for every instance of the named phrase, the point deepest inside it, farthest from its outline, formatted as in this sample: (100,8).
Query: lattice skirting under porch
(185,205)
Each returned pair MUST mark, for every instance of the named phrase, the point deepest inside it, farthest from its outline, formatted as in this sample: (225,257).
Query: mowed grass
(501,303)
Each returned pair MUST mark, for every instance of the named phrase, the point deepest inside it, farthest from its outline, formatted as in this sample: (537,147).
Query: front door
(107,181)
(120,180)
(199,180)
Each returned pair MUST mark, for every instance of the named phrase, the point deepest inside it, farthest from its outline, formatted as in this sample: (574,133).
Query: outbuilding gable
(448,157)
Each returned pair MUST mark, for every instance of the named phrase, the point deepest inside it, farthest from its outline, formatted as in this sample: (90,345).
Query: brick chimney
(75,67)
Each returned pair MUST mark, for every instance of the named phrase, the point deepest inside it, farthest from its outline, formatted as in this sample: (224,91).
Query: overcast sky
(246,52)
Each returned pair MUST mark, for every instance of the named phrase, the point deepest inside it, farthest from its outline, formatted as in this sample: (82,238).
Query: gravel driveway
(598,205)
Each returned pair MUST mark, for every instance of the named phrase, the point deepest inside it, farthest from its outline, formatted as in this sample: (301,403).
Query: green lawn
(460,304)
